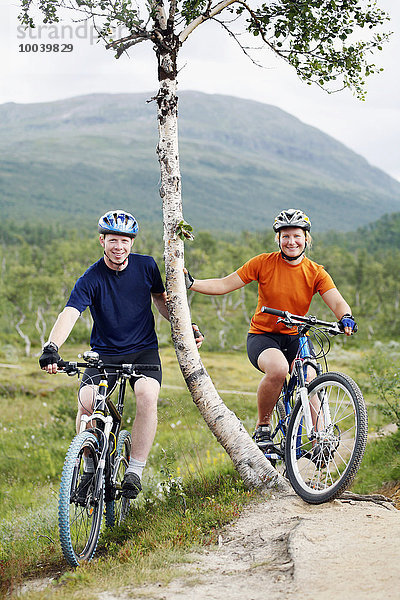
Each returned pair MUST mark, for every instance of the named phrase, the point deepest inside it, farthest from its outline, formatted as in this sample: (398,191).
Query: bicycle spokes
(117,506)
(324,463)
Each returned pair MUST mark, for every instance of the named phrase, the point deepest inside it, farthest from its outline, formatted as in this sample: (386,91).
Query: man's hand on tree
(198,336)
(189,280)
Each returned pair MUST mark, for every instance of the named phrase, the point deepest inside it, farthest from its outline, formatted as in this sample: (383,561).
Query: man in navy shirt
(118,289)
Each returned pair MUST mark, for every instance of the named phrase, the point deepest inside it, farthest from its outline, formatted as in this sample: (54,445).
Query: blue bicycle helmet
(119,222)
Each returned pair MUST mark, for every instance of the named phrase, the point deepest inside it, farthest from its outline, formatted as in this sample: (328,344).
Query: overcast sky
(210,62)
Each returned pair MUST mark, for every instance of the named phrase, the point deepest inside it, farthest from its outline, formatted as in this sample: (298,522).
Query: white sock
(136,466)
(88,464)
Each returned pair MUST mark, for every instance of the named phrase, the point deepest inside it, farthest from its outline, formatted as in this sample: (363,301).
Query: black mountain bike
(319,428)
(83,495)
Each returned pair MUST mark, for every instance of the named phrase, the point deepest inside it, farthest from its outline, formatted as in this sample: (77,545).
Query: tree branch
(157,7)
(172,12)
(209,14)
(123,44)
(235,37)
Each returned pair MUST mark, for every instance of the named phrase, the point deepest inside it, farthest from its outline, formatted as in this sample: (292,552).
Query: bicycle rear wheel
(79,515)
(320,469)
(117,509)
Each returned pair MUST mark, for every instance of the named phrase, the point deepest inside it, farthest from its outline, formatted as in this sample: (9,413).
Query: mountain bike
(102,441)
(319,427)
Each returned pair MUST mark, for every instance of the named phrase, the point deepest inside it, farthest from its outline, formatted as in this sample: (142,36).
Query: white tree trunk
(40,325)
(253,467)
(23,335)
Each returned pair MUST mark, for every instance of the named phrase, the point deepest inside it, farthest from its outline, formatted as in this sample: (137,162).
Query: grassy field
(37,424)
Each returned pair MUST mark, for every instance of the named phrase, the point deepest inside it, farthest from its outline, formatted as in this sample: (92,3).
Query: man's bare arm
(61,330)
(160,301)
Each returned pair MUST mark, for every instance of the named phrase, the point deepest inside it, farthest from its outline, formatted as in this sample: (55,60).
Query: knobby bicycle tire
(79,522)
(320,470)
(117,509)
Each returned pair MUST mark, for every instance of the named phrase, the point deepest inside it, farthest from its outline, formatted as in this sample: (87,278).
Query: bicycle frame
(303,360)
(83,494)
(322,429)
(110,425)
(298,378)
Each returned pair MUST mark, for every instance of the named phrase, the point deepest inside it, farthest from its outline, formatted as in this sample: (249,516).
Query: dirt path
(285,549)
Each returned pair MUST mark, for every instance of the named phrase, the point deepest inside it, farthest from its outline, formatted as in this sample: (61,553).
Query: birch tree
(325,43)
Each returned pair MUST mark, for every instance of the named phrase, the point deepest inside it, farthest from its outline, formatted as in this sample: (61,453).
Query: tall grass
(381,463)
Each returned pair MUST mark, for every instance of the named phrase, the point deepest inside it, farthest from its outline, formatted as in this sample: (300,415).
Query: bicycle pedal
(273,456)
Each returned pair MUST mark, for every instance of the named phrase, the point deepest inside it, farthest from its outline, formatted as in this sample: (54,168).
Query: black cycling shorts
(92,376)
(287,344)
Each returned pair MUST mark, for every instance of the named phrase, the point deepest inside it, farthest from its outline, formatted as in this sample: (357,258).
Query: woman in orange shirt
(287,280)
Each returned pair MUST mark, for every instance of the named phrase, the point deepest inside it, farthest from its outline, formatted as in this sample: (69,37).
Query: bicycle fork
(104,432)
(322,412)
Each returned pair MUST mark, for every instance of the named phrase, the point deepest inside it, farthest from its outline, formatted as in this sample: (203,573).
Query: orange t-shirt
(283,286)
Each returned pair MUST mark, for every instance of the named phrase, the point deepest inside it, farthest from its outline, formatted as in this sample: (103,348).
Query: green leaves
(113,20)
(184,231)
(318,39)
(191,9)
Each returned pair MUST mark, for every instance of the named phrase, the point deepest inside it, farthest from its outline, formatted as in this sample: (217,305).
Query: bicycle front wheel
(79,513)
(322,467)
(118,507)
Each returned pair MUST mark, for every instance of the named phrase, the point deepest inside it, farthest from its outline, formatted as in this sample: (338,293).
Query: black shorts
(287,344)
(92,376)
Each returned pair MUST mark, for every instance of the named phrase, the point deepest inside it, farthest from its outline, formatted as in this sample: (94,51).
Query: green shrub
(384,370)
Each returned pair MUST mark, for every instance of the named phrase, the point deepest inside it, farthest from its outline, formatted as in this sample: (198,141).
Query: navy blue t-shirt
(120,304)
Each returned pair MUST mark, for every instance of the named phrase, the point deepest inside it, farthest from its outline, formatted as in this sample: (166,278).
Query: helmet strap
(119,265)
(291,258)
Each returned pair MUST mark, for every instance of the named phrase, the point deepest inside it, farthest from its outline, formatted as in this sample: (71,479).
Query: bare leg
(145,424)
(85,403)
(275,366)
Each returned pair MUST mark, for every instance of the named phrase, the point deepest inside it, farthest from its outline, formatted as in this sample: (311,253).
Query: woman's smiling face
(292,241)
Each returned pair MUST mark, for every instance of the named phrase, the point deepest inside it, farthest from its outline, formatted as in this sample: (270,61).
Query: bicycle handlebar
(274,311)
(290,319)
(128,368)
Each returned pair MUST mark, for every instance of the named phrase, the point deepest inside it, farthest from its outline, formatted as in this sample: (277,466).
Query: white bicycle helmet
(292,217)
(120,222)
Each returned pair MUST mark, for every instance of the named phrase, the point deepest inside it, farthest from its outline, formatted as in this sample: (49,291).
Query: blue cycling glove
(348,321)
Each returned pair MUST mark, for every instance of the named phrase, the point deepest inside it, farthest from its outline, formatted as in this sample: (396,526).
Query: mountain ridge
(241,162)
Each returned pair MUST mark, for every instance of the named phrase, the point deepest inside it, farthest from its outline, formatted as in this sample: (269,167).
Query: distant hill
(381,237)
(241,161)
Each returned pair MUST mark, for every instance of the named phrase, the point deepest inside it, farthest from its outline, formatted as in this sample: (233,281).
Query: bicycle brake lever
(334,331)
(72,372)
(67,367)
(288,322)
